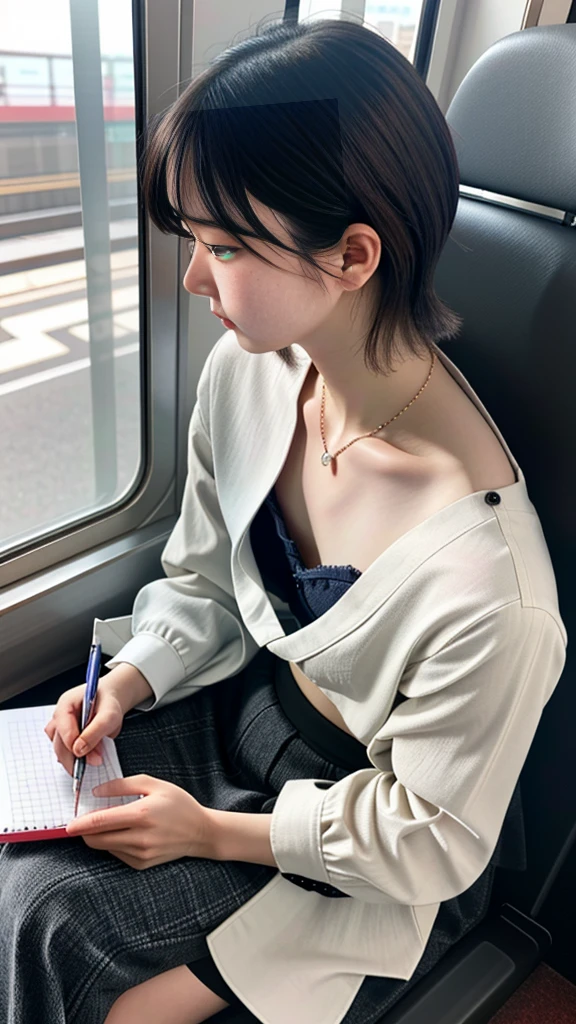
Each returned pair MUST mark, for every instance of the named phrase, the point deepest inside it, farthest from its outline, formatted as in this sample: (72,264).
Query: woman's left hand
(165,824)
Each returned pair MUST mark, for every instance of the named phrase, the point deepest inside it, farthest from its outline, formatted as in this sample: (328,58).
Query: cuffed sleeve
(186,631)
(421,828)
(157,660)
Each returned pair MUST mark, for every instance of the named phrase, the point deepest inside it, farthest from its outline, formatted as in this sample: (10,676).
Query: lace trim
(295,552)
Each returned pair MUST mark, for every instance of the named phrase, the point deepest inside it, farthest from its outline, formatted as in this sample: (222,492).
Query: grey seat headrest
(513,118)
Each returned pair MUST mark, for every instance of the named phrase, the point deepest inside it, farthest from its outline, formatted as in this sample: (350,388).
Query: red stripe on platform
(11,114)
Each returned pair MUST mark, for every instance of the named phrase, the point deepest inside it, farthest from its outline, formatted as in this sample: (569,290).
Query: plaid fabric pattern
(79,926)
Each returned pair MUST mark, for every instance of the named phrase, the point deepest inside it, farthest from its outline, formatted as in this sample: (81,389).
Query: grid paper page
(35,789)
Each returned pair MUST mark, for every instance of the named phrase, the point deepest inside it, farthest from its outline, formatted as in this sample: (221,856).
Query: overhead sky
(36,26)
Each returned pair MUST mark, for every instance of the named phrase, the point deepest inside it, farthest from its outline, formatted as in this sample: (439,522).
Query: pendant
(326,458)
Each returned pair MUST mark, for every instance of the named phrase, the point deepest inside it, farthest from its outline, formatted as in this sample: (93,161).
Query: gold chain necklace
(326,458)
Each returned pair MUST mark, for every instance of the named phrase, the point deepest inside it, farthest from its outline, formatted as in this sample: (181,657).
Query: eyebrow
(213,224)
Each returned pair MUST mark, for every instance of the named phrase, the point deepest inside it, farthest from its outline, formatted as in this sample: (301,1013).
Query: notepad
(36,797)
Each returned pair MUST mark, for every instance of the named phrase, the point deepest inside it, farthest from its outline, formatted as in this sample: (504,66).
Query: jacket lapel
(250,455)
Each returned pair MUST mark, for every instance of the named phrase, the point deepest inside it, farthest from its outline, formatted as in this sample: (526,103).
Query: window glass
(397,22)
(70,391)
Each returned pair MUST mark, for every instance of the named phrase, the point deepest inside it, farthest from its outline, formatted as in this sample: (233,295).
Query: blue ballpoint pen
(92,674)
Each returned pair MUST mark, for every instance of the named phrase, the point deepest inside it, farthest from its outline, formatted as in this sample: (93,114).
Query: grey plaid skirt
(80,927)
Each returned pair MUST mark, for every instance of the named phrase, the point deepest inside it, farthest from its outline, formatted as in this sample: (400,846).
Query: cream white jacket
(460,614)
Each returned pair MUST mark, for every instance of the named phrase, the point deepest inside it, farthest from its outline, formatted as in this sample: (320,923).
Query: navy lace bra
(308,592)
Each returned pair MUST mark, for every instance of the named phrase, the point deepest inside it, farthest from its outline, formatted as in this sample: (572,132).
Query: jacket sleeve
(422,827)
(186,631)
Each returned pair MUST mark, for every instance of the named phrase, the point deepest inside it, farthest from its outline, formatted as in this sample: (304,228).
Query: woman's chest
(351,515)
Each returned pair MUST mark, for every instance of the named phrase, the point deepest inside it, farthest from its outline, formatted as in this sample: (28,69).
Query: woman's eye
(221,252)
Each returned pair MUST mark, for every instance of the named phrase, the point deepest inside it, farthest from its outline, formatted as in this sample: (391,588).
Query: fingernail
(80,749)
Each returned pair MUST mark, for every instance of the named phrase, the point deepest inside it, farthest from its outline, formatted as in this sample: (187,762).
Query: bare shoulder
(480,463)
(461,452)
(453,479)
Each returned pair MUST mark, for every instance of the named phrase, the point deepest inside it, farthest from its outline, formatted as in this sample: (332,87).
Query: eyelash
(212,248)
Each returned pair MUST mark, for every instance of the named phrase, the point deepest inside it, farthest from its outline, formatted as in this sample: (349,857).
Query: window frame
(153,496)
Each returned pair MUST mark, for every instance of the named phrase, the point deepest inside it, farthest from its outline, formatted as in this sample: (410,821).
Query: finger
(67,759)
(95,756)
(118,843)
(135,862)
(67,725)
(131,785)
(94,759)
(112,819)
(101,725)
(63,755)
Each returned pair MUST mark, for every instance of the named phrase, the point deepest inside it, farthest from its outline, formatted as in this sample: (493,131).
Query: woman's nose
(197,278)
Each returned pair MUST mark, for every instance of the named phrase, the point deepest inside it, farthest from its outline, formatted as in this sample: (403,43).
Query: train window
(70,381)
(397,22)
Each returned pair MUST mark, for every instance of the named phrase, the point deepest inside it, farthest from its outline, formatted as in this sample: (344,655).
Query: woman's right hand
(64,726)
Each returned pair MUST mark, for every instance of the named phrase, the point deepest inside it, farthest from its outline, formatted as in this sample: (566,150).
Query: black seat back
(511,273)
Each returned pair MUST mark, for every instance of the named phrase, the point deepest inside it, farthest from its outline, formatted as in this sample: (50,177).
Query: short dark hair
(328,124)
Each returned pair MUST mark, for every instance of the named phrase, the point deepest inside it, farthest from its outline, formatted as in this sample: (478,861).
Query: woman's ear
(361,256)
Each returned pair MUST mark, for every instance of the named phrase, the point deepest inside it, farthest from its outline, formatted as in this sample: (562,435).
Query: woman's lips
(227,323)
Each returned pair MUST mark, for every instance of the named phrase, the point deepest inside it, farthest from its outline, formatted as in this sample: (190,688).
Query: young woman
(357,630)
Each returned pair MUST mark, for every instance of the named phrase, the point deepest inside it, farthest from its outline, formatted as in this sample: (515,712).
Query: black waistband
(327,739)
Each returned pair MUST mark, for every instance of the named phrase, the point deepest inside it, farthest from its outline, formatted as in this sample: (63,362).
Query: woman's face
(271,307)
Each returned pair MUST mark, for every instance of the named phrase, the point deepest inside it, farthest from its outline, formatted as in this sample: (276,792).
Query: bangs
(191,154)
